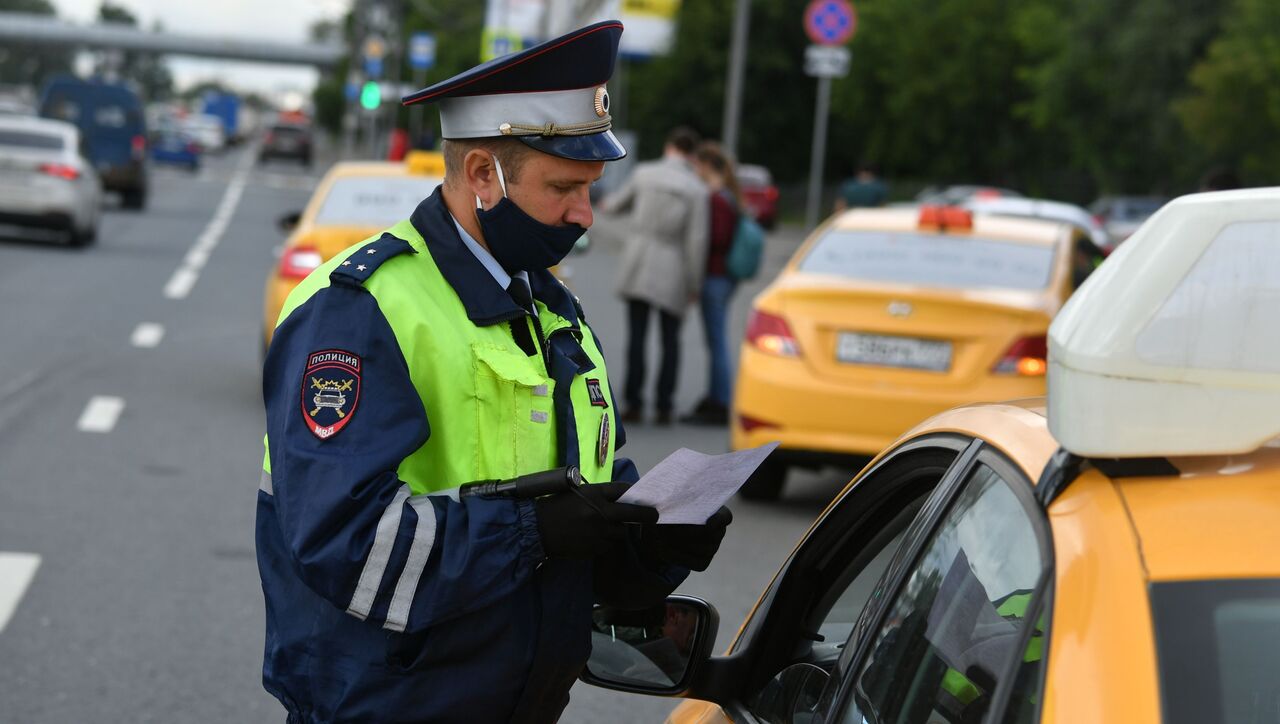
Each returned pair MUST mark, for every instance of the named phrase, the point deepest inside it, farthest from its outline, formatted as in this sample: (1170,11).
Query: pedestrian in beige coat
(663,261)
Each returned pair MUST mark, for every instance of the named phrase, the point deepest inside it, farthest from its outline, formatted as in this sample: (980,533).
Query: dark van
(112,130)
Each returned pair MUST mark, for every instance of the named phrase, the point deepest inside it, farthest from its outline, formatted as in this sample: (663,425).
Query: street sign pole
(422,55)
(737,66)
(821,109)
(829,24)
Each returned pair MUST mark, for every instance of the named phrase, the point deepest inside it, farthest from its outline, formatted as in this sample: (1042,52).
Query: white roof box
(1172,347)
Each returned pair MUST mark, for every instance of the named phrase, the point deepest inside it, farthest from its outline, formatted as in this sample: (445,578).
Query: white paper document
(688,486)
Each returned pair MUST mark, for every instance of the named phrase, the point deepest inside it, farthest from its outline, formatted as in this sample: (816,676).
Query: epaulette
(363,262)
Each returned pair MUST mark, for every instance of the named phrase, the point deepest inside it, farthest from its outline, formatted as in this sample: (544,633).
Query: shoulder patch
(361,263)
(330,391)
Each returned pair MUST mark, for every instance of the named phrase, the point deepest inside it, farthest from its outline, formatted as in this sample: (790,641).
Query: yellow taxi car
(1109,554)
(353,201)
(886,316)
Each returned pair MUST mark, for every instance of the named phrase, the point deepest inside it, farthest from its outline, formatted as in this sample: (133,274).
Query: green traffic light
(370,96)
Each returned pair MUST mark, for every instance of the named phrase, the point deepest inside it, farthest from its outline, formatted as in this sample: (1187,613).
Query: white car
(207,130)
(44,181)
(1044,209)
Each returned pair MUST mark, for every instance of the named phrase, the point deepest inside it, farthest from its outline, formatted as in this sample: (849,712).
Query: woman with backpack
(718,171)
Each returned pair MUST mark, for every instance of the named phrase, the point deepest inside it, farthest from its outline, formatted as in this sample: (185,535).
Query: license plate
(885,351)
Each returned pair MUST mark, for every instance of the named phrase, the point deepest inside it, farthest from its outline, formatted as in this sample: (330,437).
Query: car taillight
(770,333)
(751,423)
(139,146)
(61,170)
(299,261)
(771,193)
(1027,357)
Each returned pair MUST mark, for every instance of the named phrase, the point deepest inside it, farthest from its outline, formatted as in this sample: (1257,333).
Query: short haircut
(511,153)
(683,139)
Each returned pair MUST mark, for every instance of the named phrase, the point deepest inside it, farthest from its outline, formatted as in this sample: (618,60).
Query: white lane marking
(181,282)
(100,414)
(16,572)
(147,334)
(185,277)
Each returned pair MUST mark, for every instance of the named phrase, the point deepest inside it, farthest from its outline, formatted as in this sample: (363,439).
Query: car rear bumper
(807,414)
(46,206)
(124,177)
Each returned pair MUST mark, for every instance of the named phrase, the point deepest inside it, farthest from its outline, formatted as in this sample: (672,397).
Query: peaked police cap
(551,96)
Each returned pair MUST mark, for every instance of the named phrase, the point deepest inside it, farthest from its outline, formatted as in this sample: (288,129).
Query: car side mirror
(654,651)
(288,222)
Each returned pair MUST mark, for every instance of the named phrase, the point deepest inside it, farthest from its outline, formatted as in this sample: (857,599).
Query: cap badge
(602,102)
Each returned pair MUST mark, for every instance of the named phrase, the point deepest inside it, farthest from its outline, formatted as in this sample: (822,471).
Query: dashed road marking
(16,572)
(185,277)
(100,414)
(147,334)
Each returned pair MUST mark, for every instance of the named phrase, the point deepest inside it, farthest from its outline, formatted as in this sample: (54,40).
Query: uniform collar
(477,284)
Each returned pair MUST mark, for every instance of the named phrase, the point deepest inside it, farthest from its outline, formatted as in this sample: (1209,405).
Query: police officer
(443,352)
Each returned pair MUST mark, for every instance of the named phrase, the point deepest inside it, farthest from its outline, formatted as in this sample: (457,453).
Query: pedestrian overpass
(29,29)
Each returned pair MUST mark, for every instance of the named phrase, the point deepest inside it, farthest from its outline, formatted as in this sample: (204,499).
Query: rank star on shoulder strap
(362,262)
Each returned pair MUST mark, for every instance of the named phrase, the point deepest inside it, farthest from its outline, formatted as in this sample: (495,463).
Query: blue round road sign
(830,22)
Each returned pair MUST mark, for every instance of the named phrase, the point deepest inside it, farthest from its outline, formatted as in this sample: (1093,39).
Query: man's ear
(481,177)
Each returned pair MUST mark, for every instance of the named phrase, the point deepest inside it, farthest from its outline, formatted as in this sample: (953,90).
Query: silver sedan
(44,181)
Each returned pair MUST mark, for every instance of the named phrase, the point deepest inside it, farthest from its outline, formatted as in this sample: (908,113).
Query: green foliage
(146,70)
(31,65)
(1233,110)
(1063,98)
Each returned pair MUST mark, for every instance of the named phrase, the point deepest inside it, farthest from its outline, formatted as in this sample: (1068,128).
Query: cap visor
(595,147)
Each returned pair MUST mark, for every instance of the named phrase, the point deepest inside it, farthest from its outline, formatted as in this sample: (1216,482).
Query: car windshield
(374,200)
(754,176)
(1216,646)
(31,139)
(933,260)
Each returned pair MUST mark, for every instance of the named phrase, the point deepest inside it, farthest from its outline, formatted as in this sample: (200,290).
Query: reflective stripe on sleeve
(379,554)
(424,537)
(264,483)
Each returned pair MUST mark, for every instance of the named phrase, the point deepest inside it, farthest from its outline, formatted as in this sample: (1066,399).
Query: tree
(31,65)
(1103,78)
(1233,109)
(147,70)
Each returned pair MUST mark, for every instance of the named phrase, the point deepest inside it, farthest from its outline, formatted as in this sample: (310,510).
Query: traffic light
(370,96)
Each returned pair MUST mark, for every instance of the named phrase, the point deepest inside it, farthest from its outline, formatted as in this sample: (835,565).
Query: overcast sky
(279,20)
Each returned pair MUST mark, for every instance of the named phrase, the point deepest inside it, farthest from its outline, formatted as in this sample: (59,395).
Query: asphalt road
(132,424)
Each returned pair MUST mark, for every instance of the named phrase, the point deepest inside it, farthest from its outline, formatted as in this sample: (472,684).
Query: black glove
(691,546)
(585,520)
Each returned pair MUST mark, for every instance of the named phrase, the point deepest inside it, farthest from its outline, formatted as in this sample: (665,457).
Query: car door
(805,617)
(959,634)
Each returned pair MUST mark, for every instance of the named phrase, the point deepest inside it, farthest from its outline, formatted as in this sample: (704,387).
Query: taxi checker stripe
(424,537)
(379,555)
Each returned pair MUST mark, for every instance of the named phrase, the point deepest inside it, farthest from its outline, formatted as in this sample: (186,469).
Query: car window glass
(838,623)
(374,200)
(1216,645)
(934,260)
(30,139)
(956,625)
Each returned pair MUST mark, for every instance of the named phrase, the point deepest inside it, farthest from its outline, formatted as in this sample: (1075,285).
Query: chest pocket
(515,419)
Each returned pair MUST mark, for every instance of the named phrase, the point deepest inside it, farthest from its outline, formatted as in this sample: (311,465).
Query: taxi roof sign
(426,163)
(1172,347)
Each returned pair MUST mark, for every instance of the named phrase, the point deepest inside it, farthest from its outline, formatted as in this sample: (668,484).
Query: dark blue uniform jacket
(495,632)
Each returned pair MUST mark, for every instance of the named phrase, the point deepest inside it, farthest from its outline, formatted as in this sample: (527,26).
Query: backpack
(746,248)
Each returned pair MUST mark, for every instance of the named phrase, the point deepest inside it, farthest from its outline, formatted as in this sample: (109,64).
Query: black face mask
(520,242)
